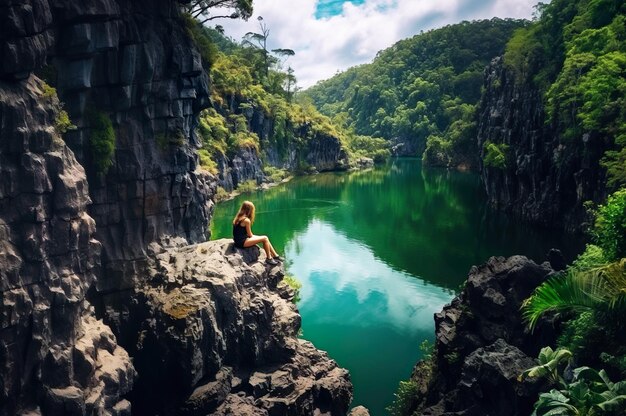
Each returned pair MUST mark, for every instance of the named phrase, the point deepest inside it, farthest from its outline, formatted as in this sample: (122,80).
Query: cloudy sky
(333,35)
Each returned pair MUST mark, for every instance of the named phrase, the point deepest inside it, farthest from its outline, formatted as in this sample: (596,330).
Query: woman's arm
(248,228)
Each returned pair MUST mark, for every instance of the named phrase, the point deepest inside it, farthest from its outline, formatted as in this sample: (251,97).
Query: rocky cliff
(546,178)
(225,332)
(82,229)
(306,151)
(482,345)
(55,356)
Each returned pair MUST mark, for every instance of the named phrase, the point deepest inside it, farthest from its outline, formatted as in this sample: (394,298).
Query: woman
(242,233)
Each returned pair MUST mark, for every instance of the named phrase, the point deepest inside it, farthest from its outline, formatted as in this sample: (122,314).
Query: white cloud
(352,273)
(326,46)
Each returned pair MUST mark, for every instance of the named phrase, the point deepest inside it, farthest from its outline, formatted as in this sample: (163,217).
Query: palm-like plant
(590,393)
(549,363)
(595,288)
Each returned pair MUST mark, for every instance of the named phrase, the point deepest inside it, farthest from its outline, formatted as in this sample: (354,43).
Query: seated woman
(242,233)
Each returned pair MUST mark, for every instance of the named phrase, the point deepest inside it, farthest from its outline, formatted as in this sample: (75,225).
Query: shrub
(275,174)
(102,140)
(584,391)
(49,92)
(62,122)
(207,162)
(208,50)
(610,226)
(247,186)
(295,285)
(495,155)
(165,139)
(405,399)
(221,194)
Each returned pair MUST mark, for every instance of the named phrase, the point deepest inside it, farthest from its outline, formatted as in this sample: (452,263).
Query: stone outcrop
(86,285)
(547,178)
(306,152)
(55,356)
(229,331)
(482,345)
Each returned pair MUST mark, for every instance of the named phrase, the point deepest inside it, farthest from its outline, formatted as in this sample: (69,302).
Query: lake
(378,252)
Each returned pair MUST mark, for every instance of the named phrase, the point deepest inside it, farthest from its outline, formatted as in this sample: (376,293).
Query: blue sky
(329,8)
(333,35)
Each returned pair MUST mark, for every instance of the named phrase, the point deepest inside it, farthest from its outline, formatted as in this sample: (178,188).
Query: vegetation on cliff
(423,89)
(575,52)
(254,105)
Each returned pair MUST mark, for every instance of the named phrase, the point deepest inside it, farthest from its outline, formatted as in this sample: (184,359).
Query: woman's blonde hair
(247,210)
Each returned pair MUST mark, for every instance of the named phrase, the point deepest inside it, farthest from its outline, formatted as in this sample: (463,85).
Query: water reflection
(378,252)
(330,265)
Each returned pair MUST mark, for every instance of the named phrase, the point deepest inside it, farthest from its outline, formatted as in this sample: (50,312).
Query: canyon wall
(547,179)
(86,211)
(306,151)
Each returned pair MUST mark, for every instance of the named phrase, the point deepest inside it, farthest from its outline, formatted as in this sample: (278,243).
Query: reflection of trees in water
(413,219)
(428,222)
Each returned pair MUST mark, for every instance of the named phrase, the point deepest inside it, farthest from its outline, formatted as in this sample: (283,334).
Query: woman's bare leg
(274,253)
(256,239)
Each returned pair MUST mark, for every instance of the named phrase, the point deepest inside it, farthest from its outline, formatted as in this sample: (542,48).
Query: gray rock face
(55,357)
(482,344)
(132,62)
(223,343)
(245,165)
(402,146)
(224,329)
(547,178)
(304,151)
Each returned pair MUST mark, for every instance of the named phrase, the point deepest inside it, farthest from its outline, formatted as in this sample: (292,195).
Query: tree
(202,9)
(259,42)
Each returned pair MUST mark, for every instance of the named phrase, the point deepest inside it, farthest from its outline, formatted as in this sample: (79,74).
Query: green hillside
(423,89)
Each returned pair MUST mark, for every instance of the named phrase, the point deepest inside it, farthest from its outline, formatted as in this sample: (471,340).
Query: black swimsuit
(239,235)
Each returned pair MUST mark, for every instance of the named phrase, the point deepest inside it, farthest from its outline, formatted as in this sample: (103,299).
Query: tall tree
(258,40)
(203,10)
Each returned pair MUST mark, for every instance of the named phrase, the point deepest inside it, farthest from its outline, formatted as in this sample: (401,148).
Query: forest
(423,90)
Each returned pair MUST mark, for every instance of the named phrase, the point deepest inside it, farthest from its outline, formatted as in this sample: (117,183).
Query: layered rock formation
(81,242)
(55,356)
(547,178)
(225,333)
(306,152)
(482,345)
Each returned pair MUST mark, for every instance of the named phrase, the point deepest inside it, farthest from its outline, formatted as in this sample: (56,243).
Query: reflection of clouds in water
(343,281)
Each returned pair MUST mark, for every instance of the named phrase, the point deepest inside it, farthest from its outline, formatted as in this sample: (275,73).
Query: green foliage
(48,92)
(247,186)
(419,88)
(550,363)
(427,348)
(295,285)
(275,174)
(62,122)
(610,226)
(576,53)
(589,392)
(101,140)
(599,288)
(366,146)
(495,155)
(405,399)
(167,138)
(221,194)
(195,31)
(207,162)
(521,52)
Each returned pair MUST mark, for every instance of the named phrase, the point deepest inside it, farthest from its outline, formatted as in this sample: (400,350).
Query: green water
(378,252)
